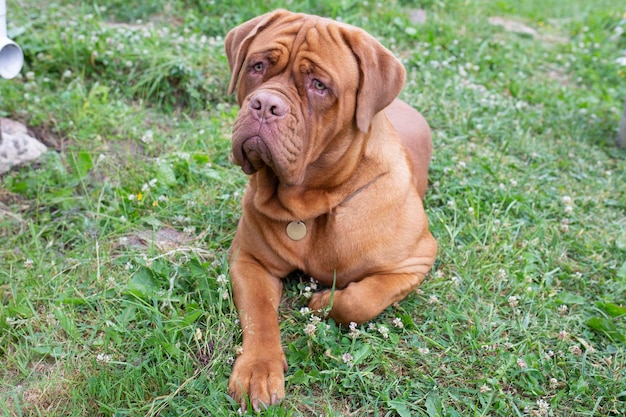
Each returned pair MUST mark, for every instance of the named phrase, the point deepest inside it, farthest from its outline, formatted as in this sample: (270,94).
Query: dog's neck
(282,202)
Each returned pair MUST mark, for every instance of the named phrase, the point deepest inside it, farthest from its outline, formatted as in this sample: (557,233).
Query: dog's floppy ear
(238,40)
(382,76)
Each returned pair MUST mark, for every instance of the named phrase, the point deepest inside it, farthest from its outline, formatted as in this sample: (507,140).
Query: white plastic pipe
(11,56)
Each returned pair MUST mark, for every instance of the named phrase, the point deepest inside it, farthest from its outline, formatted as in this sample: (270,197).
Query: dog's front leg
(258,373)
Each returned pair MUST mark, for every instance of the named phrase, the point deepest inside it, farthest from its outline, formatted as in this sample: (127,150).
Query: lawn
(114,290)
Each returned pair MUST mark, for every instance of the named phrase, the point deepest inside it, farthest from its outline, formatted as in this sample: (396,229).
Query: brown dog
(336,183)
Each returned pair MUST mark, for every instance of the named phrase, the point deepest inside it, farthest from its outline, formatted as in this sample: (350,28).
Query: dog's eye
(319,86)
(258,67)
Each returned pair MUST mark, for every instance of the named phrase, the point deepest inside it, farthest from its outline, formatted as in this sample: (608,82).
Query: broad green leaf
(569,298)
(362,353)
(607,327)
(165,174)
(611,309)
(399,407)
(142,284)
(83,164)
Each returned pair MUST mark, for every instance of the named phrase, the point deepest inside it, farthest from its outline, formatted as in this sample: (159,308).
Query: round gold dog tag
(296,230)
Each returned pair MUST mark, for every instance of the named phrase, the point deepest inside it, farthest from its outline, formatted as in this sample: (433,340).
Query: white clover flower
(28,263)
(384,331)
(397,322)
(543,408)
(103,358)
(513,301)
(221,279)
(354,332)
(484,388)
(147,137)
(310,329)
(305,311)
(521,363)
(433,299)
(423,351)
(575,350)
(347,358)
(198,334)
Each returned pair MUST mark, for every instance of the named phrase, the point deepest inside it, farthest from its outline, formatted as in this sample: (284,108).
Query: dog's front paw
(336,305)
(259,379)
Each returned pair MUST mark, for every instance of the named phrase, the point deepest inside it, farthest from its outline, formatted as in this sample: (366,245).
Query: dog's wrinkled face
(296,90)
(306,87)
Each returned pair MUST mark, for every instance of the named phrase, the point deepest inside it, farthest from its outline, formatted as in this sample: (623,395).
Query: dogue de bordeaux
(338,170)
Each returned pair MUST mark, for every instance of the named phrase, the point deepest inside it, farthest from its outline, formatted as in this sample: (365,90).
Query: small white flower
(67,74)
(354,332)
(315,320)
(575,350)
(562,309)
(397,322)
(521,363)
(433,299)
(554,383)
(513,301)
(310,329)
(28,263)
(484,389)
(423,351)
(132,197)
(305,311)
(347,358)
(103,358)
(384,331)
(147,137)
(128,266)
(543,408)
(221,279)
(198,334)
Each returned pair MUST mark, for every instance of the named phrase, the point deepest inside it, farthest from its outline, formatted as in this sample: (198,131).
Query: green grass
(113,248)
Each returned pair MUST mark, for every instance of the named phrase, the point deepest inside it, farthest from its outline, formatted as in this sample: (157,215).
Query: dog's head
(306,86)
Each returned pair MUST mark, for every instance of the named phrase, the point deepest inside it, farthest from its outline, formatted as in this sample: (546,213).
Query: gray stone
(17,147)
